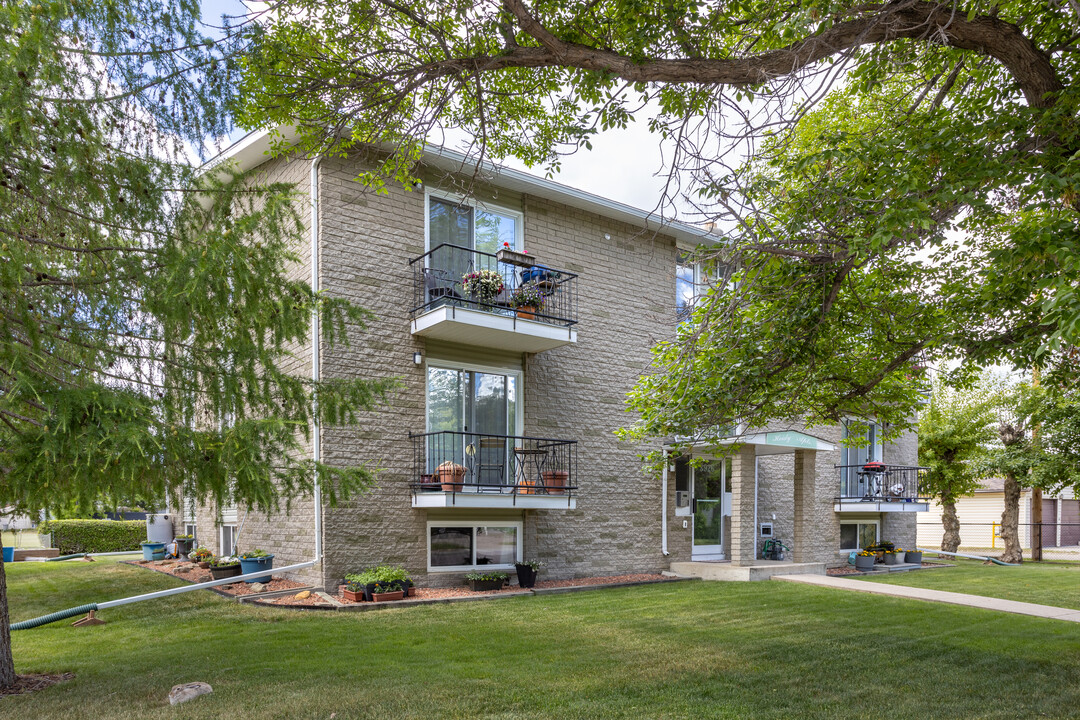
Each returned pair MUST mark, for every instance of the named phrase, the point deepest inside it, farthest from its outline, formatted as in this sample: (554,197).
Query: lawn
(1057,585)
(680,650)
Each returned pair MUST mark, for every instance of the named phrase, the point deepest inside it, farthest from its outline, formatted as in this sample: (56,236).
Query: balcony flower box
(513,257)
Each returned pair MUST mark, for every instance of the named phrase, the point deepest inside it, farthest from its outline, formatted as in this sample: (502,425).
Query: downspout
(316,333)
(755,506)
(663,506)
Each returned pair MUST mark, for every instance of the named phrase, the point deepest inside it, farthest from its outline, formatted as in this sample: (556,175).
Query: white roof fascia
(253,149)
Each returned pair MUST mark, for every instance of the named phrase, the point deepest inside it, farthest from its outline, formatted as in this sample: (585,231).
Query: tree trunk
(7,662)
(1010,519)
(1036,525)
(950,539)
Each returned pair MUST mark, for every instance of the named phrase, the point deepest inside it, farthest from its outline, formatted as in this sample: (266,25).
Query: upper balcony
(877,487)
(471,470)
(456,298)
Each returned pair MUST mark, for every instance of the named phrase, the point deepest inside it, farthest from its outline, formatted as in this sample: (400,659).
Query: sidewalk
(988,603)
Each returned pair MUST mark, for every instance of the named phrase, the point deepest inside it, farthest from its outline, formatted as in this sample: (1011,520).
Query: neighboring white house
(980,519)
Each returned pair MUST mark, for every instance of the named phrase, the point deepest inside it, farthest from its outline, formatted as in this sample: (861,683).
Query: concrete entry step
(760,570)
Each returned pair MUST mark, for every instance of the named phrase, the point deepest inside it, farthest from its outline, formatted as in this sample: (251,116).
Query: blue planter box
(9,554)
(255,565)
(153,551)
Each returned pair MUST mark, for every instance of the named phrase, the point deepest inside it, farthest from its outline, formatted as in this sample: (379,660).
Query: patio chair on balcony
(439,287)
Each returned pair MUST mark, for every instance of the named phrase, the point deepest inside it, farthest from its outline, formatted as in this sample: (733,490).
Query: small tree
(954,433)
(1050,463)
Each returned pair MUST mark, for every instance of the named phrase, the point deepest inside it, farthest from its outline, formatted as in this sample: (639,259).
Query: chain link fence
(1060,540)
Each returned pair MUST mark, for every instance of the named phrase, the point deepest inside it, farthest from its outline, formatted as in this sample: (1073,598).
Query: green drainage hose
(53,617)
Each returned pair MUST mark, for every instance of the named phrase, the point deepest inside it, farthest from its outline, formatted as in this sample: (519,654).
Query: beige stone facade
(626,298)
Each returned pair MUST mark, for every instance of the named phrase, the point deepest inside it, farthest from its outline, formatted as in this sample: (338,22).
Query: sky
(623,164)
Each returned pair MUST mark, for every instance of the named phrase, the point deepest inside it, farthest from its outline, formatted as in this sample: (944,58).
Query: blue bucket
(9,554)
(153,551)
(254,565)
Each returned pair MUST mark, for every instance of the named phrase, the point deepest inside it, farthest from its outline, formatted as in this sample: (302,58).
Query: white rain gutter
(200,586)
(663,506)
(316,435)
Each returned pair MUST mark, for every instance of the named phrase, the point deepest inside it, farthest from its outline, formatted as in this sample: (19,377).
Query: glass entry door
(710,484)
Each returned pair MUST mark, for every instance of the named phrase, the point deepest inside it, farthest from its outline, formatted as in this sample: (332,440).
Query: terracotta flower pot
(555,481)
(527,312)
(451,476)
(351,596)
(387,596)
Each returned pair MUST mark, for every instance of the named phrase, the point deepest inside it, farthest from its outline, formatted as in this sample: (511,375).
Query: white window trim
(517,374)
(519,525)
(519,216)
(221,538)
(867,521)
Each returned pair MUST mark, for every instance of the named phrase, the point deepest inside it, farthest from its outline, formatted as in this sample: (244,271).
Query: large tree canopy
(147,311)
(898,181)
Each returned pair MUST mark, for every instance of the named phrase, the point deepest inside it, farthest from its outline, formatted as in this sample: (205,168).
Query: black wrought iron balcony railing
(457,462)
(878,482)
(530,292)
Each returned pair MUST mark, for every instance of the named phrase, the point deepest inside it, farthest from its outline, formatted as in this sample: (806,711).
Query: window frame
(221,539)
(517,374)
(518,525)
(475,204)
(876,522)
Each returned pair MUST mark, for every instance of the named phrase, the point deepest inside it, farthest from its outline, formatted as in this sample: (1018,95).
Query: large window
(454,222)
(686,285)
(466,546)
(856,535)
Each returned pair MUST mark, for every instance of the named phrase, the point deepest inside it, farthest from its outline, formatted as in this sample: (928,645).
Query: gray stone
(188,691)
(258,587)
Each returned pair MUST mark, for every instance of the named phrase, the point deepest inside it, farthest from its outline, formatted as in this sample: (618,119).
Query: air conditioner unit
(682,498)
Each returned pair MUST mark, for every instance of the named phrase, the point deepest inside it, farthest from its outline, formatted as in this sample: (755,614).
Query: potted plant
(184,543)
(484,285)
(254,561)
(555,481)
(526,572)
(894,556)
(864,560)
(354,589)
(224,567)
(153,551)
(913,556)
(451,476)
(202,556)
(387,591)
(528,300)
(486,582)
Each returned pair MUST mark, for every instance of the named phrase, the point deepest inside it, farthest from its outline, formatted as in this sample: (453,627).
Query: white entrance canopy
(774,443)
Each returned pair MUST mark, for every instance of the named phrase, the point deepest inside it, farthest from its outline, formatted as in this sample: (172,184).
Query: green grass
(1057,585)
(682,650)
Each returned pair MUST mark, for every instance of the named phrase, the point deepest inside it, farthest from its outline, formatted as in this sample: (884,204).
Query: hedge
(90,536)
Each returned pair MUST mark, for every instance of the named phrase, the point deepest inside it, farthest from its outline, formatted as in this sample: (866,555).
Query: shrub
(92,536)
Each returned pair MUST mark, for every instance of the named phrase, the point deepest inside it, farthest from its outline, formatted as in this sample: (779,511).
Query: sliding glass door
(474,411)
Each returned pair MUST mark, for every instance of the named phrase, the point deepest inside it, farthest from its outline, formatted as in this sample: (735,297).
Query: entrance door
(710,482)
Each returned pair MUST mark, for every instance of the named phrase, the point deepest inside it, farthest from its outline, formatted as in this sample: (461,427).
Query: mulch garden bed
(34,682)
(195,574)
(465,592)
(850,570)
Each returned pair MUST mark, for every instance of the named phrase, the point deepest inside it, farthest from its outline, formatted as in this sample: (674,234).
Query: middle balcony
(471,470)
(505,300)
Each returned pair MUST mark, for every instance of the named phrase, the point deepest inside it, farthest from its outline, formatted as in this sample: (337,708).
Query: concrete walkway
(942,596)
